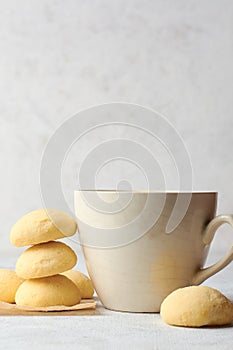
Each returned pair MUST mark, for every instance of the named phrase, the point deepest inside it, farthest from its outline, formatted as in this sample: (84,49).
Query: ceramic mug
(132,260)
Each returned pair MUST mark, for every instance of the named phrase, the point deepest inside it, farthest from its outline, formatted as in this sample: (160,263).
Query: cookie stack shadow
(45,267)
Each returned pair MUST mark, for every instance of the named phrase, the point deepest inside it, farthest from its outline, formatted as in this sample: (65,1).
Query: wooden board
(86,307)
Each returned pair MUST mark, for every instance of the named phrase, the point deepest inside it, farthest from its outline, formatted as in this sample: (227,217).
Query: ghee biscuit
(45,259)
(197,306)
(48,291)
(9,283)
(42,225)
(82,282)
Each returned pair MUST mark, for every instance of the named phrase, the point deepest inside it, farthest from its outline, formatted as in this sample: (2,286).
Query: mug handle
(208,236)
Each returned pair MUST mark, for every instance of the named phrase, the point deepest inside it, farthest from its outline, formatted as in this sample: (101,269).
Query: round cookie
(9,283)
(42,225)
(48,291)
(45,259)
(196,306)
(82,282)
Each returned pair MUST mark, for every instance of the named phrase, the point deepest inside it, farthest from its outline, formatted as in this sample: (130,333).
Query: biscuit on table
(9,283)
(82,282)
(196,306)
(45,259)
(42,225)
(48,291)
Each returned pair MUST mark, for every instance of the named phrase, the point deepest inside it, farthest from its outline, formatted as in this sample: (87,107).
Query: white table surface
(113,330)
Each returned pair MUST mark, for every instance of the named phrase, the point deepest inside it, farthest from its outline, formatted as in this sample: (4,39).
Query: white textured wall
(57,57)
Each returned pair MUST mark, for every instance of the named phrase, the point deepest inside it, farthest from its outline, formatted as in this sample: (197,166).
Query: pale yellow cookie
(48,291)
(196,306)
(42,225)
(45,259)
(9,283)
(82,282)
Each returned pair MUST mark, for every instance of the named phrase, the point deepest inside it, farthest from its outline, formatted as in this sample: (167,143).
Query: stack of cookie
(41,264)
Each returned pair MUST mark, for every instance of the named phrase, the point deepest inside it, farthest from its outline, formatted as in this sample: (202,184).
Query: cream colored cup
(132,260)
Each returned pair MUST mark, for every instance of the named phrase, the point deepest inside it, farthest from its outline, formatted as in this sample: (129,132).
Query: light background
(58,57)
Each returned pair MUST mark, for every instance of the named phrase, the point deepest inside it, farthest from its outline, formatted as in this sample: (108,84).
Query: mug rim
(146,191)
